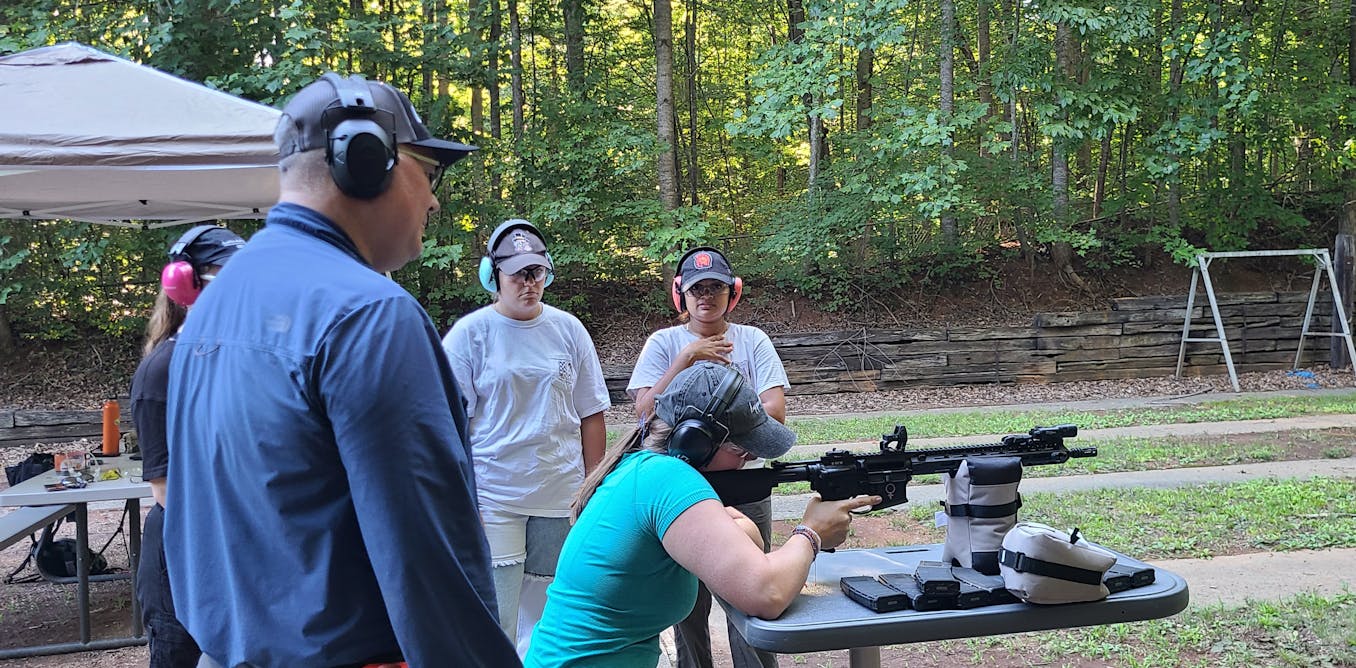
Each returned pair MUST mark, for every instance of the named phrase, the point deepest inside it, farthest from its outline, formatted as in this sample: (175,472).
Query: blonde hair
(166,318)
(654,436)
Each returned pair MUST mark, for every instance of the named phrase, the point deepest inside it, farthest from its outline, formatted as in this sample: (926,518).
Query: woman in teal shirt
(648,525)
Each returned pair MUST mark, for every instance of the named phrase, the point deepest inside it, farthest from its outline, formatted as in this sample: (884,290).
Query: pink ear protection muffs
(736,290)
(179,279)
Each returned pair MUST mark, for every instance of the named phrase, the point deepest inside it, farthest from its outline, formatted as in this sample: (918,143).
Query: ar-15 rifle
(840,474)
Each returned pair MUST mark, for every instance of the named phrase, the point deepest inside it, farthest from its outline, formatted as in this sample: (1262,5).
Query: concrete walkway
(786,507)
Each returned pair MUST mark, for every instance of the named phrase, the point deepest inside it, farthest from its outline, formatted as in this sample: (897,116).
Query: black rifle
(840,474)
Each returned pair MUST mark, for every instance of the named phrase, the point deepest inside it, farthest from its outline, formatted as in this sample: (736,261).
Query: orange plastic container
(111,432)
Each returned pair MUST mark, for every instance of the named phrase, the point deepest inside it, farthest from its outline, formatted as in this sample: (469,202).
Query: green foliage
(1215,131)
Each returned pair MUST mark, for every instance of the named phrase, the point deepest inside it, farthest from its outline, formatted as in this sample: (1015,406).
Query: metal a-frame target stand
(1202,272)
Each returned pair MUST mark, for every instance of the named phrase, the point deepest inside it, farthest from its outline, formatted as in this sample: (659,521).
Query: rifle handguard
(840,474)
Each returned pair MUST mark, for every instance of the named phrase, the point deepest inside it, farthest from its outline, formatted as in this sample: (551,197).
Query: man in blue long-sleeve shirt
(323,505)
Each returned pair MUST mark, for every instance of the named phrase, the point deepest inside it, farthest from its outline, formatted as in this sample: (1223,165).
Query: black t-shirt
(150,390)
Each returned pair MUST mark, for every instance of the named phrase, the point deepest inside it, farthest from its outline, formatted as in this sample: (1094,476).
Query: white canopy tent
(88,136)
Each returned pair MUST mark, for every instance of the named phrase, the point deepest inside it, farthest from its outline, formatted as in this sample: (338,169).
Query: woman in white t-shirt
(705,290)
(535,398)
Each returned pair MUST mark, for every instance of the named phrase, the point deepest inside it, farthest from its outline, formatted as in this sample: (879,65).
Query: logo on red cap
(702,261)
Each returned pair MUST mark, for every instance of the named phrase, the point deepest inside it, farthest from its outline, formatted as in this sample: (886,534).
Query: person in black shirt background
(194,259)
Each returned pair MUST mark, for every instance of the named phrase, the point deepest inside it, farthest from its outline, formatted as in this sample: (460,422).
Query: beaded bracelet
(810,535)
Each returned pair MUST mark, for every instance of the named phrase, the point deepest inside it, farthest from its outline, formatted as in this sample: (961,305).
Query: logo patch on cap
(702,260)
(520,242)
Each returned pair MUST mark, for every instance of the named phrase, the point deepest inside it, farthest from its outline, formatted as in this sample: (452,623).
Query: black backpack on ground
(54,559)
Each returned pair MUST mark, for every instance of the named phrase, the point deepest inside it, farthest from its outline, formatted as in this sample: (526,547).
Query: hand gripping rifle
(840,474)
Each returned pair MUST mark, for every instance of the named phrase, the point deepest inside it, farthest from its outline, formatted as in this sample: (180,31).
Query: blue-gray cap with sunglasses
(751,428)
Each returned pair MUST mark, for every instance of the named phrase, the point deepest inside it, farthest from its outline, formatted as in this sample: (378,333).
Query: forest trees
(824,143)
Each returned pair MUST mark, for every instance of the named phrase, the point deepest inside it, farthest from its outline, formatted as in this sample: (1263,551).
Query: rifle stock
(841,474)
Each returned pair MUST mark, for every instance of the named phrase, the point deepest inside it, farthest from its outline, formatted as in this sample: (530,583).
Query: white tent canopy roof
(92,137)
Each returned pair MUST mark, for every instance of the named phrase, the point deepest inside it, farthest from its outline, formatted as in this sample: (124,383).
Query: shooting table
(32,493)
(822,618)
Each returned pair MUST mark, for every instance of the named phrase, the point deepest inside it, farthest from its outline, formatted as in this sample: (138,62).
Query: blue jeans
(522,547)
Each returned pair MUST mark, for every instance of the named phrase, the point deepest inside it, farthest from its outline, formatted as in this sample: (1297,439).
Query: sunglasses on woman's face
(708,289)
(533,274)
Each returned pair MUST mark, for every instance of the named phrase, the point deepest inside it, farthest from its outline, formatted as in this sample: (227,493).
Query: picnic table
(36,503)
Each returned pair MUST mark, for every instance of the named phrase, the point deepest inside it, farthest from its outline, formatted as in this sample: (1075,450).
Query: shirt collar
(312,222)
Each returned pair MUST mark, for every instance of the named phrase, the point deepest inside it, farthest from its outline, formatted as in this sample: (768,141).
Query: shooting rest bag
(981,506)
(1041,564)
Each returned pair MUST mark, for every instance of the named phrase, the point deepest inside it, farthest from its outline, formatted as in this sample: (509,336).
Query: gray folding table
(32,492)
(822,618)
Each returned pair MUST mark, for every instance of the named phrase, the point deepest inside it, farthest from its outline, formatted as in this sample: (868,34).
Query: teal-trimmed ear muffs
(489,264)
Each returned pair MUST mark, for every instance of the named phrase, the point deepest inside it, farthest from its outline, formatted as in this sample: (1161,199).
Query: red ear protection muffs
(736,290)
(697,436)
(179,279)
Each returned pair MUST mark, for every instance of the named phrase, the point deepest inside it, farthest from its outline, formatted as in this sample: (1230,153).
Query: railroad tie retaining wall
(1138,337)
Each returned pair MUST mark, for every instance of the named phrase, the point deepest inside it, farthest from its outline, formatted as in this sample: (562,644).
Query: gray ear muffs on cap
(360,150)
(696,438)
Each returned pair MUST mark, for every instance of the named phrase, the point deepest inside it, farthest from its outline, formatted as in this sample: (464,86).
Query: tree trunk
(1103,162)
(866,60)
(1346,227)
(948,101)
(1175,71)
(1061,252)
(1238,147)
(814,125)
(663,52)
(1017,219)
(7,347)
(1059,174)
(690,44)
(982,48)
(865,64)
(476,24)
(492,70)
(516,78)
(573,11)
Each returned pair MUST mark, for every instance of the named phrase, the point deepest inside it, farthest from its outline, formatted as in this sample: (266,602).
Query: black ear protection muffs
(697,437)
(360,145)
(736,289)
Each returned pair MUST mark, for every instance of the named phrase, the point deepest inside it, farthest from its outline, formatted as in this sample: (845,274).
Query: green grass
(1147,454)
(1302,631)
(1198,521)
(922,425)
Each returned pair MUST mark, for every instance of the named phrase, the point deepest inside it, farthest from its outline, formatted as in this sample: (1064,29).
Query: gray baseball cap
(521,247)
(751,428)
(303,125)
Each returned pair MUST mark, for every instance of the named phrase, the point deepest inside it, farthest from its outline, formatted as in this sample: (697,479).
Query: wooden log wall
(1138,337)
